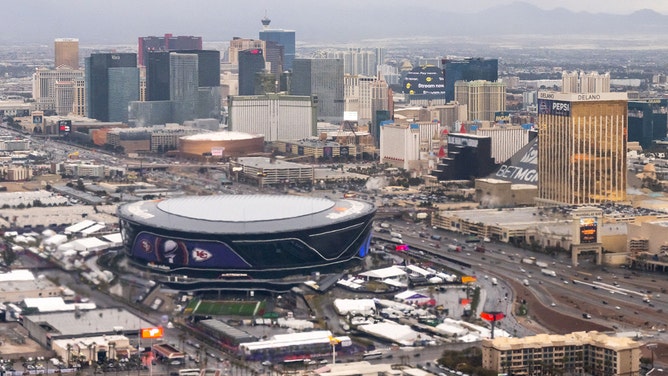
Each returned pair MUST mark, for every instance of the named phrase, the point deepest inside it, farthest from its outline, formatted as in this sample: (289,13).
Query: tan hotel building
(592,353)
(582,147)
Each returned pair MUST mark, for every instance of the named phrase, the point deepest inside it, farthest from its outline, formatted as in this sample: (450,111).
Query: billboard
(588,230)
(64,126)
(37,119)
(492,316)
(176,252)
(349,115)
(502,117)
(424,80)
(521,168)
(468,279)
(156,332)
(554,107)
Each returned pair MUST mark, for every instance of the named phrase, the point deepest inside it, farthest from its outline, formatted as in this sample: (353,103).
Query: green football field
(225,308)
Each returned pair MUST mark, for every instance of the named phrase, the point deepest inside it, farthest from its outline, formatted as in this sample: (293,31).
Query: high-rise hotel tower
(582,147)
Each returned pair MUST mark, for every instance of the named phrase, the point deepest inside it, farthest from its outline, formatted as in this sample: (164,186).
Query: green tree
(9,256)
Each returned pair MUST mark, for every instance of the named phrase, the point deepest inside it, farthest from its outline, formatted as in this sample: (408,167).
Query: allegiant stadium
(258,236)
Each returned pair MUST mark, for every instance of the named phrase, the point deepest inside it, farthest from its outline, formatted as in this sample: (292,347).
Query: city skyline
(344,20)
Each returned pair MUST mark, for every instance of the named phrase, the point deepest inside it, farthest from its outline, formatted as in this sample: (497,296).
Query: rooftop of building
(575,338)
(98,321)
(269,163)
(225,328)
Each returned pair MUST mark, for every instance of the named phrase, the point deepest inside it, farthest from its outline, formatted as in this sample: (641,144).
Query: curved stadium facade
(245,235)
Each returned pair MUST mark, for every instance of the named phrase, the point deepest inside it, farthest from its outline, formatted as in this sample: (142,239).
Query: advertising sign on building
(217,151)
(64,126)
(588,230)
(173,252)
(349,115)
(521,168)
(424,80)
(502,117)
(553,107)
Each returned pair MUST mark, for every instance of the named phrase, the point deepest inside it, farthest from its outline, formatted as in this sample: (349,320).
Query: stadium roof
(243,213)
(243,208)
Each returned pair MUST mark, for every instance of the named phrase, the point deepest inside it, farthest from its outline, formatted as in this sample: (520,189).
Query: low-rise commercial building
(578,353)
(269,171)
(46,328)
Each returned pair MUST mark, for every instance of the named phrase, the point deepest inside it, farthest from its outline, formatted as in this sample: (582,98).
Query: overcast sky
(122,21)
(592,6)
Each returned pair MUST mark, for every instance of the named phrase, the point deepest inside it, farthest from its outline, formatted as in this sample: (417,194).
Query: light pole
(334,341)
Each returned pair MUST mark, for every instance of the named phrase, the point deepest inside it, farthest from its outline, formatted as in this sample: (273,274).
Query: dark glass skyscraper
(468,69)
(285,38)
(157,72)
(208,62)
(251,62)
(648,121)
(322,78)
(157,76)
(190,79)
(104,86)
(273,54)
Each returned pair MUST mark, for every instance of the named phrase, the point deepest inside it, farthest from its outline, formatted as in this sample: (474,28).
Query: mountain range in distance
(329,22)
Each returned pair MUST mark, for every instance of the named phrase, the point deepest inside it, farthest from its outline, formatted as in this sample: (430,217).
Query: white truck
(528,261)
(395,235)
(541,264)
(549,272)
(525,282)
(494,282)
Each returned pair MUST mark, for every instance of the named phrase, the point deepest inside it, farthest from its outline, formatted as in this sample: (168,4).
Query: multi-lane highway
(616,298)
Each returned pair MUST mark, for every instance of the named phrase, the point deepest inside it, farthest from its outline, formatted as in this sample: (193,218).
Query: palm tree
(69,354)
(91,351)
(112,349)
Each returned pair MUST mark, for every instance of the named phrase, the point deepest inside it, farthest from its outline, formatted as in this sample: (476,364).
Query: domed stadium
(225,143)
(258,236)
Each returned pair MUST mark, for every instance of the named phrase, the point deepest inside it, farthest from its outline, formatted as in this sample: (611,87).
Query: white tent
(79,226)
(365,307)
(115,239)
(390,272)
(397,333)
(85,245)
(55,240)
(92,229)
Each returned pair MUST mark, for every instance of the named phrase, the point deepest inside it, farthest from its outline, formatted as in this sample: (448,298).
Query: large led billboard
(588,230)
(424,80)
